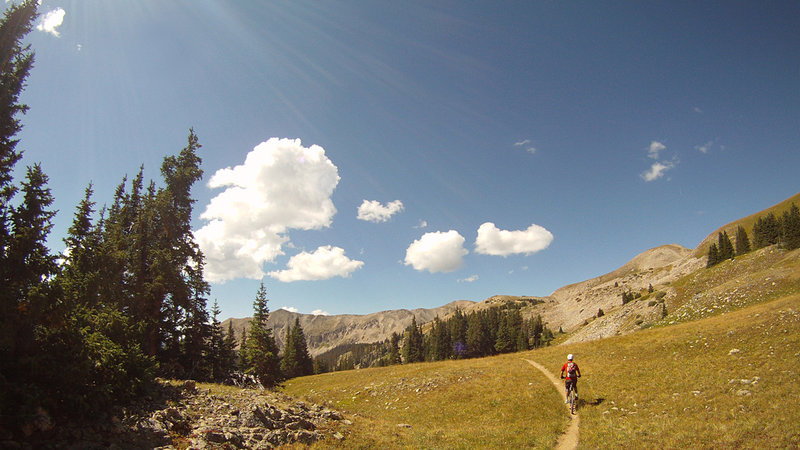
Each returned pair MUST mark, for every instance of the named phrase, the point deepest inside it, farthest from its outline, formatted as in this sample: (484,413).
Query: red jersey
(565,368)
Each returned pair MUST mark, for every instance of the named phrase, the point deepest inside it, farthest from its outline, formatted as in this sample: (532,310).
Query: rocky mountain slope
(326,332)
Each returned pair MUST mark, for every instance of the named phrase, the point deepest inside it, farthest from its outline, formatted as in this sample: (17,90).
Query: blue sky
(366,155)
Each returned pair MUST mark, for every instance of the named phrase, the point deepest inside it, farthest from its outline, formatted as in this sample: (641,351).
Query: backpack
(572,369)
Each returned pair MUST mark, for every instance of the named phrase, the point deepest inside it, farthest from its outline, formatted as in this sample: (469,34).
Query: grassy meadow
(724,381)
(496,402)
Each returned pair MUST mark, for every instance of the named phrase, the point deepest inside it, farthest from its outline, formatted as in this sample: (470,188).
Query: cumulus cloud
(280,186)
(657,170)
(655,148)
(437,252)
(289,308)
(319,312)
(326,262)
(51,21)
(374,211)
(494,241)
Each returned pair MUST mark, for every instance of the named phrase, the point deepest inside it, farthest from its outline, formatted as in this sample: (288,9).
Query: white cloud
(51,21)
(326,262)
(422,224)
(657,170)
(471,279)
(705,147)
(374,211)
(493,241)
(319,312)
(655,148)
(289,308)
(437,252)
(280,186)
(524,143)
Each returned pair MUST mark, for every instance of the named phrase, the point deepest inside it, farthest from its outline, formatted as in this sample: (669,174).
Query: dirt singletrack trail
(568,440)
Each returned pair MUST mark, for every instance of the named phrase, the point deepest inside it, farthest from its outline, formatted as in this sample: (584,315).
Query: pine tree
(742,241)
(215,356)
(261,350)
(790,227)
(766,231)
(479,341)
(713,258)
(296,361)
(725,247)
(229,356)
(458,334)
(393,357)
(504,341)
(440,346)
(413,350)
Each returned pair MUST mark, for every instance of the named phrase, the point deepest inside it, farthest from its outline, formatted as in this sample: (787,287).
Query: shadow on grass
(593,402)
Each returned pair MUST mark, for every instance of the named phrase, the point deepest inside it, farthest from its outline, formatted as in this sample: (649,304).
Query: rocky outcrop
(184,416)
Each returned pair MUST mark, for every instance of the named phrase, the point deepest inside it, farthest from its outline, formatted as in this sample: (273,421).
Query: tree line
(499,329)
(767,230)
(126,301)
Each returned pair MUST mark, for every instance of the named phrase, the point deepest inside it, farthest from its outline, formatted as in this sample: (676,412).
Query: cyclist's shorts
(574,384)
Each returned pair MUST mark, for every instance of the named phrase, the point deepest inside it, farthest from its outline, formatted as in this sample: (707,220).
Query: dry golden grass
(498,402)
(728,381)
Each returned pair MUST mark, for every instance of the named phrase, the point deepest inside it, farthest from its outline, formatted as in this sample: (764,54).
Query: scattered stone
(743,392)
(403,425)
(733,351)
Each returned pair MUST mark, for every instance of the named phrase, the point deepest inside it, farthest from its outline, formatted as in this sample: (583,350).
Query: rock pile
(184,416)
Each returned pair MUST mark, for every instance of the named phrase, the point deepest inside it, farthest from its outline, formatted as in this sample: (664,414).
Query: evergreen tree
(440,346)
(393,357)
(504,341)
(261,350)
(296,361)
(413,350)
(790,228)
(742,241)
(229,356)
(537,328)
(725,247)
(766,231)
(215,357)
(458,334)
(479,341)
(713,259)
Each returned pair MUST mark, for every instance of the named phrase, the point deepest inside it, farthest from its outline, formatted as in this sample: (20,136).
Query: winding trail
(568,440)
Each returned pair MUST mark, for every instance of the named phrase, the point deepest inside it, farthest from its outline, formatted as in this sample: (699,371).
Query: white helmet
(569,357)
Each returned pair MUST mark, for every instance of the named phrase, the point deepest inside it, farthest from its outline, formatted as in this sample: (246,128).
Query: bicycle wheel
(572,402)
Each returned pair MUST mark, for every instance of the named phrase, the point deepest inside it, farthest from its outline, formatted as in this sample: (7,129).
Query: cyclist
(570,368)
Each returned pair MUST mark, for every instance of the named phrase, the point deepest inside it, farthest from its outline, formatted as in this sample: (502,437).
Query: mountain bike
(572,398)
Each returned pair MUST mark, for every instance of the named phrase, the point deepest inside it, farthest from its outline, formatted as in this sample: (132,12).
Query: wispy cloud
(657,170)
(526,144)
(289,308)
(422,224)
(494,241)
(51,21)
(705,147)
(655,148)
(437,252)
(319,312)
(374,211)
(471,279)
